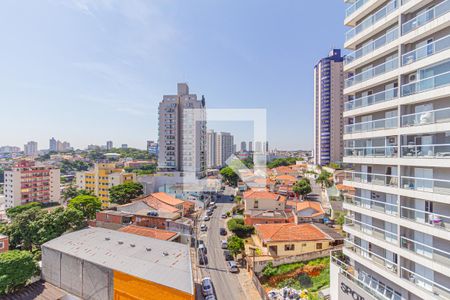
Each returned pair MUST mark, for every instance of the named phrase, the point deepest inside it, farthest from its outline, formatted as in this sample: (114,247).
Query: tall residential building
(328,107)
(250,146)
(182,133)
(211,149)
(124,146)
(103,177)
(53,145)
(31,148)
(152,147)
(397,138)
(224,147)
(109,145)
(243,146)
(28,182)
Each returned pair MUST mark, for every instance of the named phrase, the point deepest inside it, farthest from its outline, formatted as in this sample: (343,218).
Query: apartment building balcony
(426,17)
(361,229)
(383,207)
(351,249)
(359,278)
(429,185)
(383,68)
(436,116)
(374,22)
(431,252)
(433,283)
(373,125)
(427,50)
(373,99)
(373,49)
(426,84)
(378,151)
(372,178)
(435,220)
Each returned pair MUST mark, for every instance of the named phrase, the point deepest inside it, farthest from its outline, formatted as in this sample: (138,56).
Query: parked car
(223,231)
(202,260)
(202,249)
(224,244)
(224,216)
(203,227)
(228,256)
(206,218)
(209,212)
(210,297)
(207,286)
(213,204)
(232,266)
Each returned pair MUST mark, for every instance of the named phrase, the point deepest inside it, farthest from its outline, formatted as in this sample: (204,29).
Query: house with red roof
(278,240)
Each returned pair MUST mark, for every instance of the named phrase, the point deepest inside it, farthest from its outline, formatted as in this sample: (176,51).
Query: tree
(13,211)
(124,193)
(238,227)
(282,162)
(88,205)
(229,176)
(324,179)
(302,187)
(71,192)
(16,268)
(235,244)
(21,231)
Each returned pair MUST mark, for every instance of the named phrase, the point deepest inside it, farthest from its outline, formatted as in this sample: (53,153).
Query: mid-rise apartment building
(397,137)
(28,182)
(103,177)
(211,137)
(328,107)
(31,149)
(182,133)
(224,147)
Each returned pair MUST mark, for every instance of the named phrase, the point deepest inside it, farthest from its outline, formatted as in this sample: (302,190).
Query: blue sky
(87,71)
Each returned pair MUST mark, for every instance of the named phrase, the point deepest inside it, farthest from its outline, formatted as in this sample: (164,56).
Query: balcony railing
(377,259)
(426,51)
(426,17)
(436,186)
(427,117)
(426,151)
(375,179)
(373,99)
(425,283)
(380,206)
(354,7)
(381,69)
(385,39)
(382,151)
(427,84)
(370,286)
(372,19)
(425,217)
(371,230)
(425,250)
(373,125)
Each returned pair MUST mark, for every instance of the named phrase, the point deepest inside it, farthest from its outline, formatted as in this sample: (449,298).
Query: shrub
(16,268)
(237,227)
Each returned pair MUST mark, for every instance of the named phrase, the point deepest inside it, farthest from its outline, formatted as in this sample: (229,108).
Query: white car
(203,227)
(232,266)
(207,286)
(224,244)
(210,297)
(206,218)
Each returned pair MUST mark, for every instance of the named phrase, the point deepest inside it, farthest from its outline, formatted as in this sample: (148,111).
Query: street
(226,284)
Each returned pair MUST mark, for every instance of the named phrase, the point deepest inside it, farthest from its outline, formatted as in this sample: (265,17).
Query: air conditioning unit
(412,77)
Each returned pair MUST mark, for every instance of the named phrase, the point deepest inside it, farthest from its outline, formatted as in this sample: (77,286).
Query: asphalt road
(226,284)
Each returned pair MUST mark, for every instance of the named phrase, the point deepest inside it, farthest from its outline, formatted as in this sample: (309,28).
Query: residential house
(291,239)
(307,211)
(263,200)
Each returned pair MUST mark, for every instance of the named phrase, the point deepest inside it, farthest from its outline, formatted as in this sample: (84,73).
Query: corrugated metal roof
(146,259)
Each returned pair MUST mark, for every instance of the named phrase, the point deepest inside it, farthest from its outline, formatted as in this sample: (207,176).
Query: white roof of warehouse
(91,244)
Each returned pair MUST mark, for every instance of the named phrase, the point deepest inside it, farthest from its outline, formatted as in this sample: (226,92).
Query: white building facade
(182,133)
(397,137)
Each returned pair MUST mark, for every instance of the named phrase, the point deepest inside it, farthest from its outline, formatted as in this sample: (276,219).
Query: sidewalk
(247,284)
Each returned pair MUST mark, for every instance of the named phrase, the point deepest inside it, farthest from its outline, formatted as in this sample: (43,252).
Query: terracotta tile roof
(283,169)
(263,195)
(159,205)
(166,198)
(286,178)
(302,205)
(290,232)
(149,232)
(342,187)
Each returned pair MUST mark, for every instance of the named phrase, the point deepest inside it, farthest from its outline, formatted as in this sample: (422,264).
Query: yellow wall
(127,287)
(299,247)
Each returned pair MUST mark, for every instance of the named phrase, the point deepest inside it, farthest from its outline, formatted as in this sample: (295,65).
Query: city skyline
(65,88)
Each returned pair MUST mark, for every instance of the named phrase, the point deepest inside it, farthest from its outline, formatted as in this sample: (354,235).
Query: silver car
(207,286)
(232,266)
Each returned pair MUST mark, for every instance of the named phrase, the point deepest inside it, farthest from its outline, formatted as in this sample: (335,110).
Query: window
(255,205)
(289,247)
(318,246)
(2,245)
